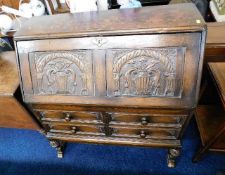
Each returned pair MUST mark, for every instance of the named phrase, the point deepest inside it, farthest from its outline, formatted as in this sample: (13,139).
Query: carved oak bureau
(126,77)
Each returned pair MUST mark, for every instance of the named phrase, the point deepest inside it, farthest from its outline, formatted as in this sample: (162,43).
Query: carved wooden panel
(145,72)
(63,72)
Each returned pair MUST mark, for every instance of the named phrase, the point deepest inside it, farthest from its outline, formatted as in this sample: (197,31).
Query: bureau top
(157,19)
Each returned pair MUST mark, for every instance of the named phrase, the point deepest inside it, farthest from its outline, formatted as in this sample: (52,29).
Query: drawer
(81,129)
(145,133)
(120,132)
(120,119)
(156,120)
(70,116)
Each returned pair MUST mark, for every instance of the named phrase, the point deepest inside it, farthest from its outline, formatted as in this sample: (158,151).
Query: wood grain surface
(12,112)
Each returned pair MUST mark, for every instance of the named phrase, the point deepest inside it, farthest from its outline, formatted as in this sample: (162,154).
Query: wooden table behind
(12,112)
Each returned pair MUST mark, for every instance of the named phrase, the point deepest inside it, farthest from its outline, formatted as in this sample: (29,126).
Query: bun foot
(59,146)
(171,157)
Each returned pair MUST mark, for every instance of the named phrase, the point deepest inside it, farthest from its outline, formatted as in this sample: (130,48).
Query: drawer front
(156,120)
(115,131)
(114,119)
(75,129)
(70,116)
(145,133)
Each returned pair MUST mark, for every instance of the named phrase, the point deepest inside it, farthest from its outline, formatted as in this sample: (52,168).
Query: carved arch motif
(145,72)
(43,60)
(61,73)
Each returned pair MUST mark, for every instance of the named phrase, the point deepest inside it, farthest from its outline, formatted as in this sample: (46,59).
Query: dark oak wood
(215,37)
(218,75)
(214,52)
(215,43)
(211,120)
(12,112)
(124,77)
(113,22)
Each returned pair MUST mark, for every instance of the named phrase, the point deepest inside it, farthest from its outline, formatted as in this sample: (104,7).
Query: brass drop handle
(68,117)
(42,115)
(144,121)
(143,134)
(73,129)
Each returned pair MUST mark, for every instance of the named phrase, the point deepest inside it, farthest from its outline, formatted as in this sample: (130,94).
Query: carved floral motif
(61,73)
(145,72)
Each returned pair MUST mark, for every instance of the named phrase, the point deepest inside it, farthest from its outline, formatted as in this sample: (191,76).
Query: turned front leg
(59,146)
(173,153)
